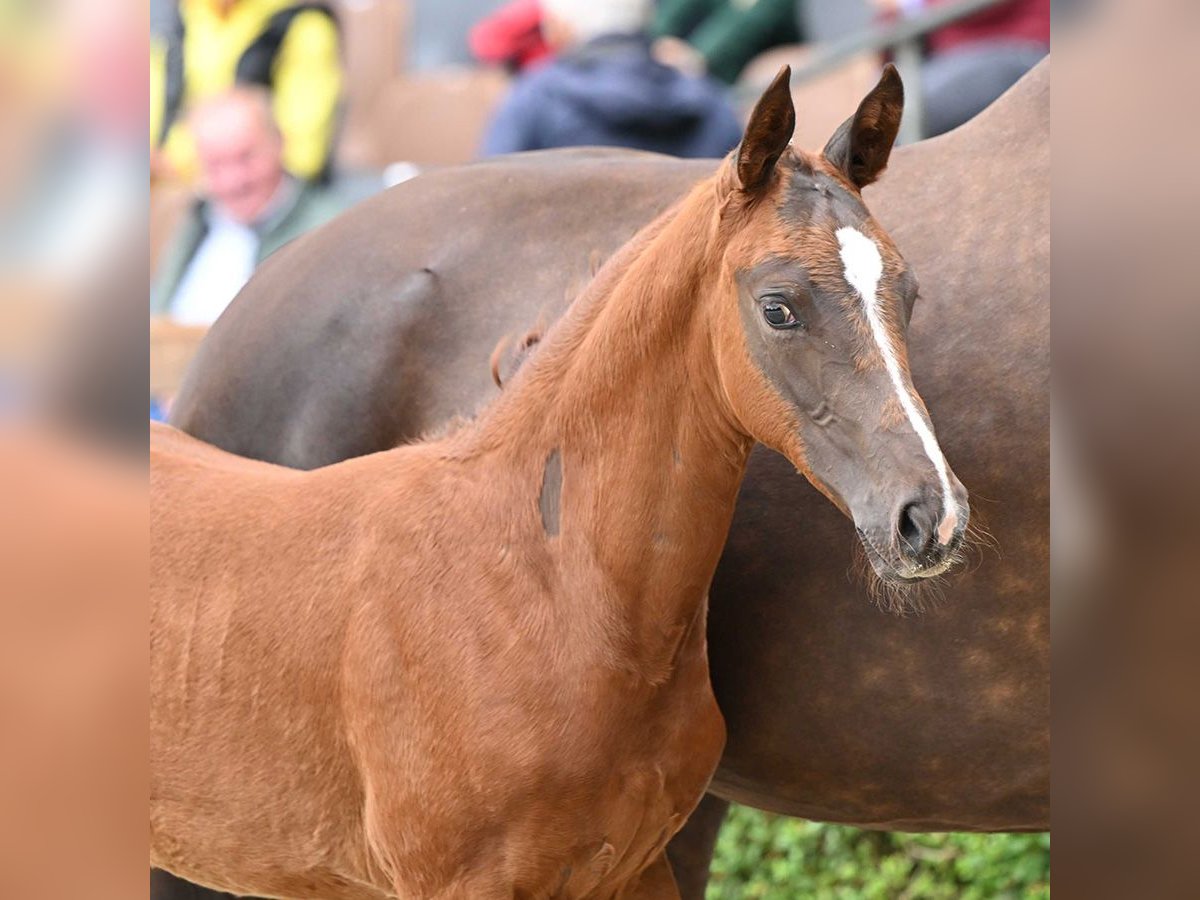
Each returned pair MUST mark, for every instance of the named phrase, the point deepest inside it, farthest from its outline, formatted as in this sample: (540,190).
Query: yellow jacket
(290,46)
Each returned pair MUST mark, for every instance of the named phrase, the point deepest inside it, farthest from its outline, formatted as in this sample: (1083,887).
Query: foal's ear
(863,143)
(767,135)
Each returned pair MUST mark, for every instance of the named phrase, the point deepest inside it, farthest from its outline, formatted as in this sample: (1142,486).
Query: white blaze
(864,268)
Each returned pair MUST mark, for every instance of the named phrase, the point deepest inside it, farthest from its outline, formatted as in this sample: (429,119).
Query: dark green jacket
(312,206)
(728,33)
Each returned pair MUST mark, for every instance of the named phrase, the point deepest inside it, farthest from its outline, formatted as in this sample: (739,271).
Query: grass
(760,856)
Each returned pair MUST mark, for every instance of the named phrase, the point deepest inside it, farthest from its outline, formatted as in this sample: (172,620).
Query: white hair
(591,18)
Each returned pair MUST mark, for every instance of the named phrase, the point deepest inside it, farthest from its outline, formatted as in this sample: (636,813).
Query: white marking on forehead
(864,265)
(864,269)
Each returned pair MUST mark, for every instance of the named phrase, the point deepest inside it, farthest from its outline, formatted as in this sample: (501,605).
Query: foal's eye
(778,315)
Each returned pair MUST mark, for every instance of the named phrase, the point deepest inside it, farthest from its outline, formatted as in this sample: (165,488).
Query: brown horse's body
(476,667)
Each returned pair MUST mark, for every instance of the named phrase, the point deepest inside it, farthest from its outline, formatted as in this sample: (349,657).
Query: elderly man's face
(240,160)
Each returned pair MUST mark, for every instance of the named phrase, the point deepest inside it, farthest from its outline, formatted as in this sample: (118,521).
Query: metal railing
(903,37)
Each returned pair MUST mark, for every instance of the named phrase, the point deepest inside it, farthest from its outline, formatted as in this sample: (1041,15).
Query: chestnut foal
(475,667)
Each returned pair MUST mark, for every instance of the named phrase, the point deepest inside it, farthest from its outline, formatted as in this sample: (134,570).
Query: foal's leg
(691,850)
(655,883)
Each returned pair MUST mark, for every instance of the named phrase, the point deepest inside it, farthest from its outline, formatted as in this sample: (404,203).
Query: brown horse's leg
(656,883)
(691,850)
(165,886)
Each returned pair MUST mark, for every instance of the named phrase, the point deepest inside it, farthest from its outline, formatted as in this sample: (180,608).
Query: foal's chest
(653,772)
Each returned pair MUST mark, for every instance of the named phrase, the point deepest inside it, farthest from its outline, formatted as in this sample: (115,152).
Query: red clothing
(1019,20)
(512,35)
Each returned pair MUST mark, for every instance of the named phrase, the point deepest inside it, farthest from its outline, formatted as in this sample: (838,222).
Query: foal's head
(812,308)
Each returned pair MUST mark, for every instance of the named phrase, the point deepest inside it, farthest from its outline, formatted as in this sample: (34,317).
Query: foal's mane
(543,369)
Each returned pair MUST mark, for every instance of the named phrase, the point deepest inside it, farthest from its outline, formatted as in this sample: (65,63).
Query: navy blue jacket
(611,92)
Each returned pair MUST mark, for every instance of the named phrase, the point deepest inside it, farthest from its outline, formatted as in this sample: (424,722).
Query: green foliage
(764,857)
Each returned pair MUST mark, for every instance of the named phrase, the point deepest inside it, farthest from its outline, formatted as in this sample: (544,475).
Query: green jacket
(728,33)
(312,206)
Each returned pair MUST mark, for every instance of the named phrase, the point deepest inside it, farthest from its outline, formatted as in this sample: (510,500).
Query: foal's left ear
(863,143)
(767,135)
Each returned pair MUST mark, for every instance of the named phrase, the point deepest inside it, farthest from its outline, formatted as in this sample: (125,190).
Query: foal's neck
(623,399)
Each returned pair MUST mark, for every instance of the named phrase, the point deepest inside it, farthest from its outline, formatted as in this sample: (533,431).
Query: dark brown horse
(379,326)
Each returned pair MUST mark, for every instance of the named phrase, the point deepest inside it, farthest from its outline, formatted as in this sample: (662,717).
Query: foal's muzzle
(920,538)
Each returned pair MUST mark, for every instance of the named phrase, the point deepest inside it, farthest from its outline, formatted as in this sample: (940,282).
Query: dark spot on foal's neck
(550,498)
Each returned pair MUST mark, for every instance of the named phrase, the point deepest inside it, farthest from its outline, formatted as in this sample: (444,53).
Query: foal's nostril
(915,529)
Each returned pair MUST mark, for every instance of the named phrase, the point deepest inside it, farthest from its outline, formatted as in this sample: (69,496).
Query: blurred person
(250,206)
(971,62)
(605,88)
(291,47)
(511,37)
(720,36)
